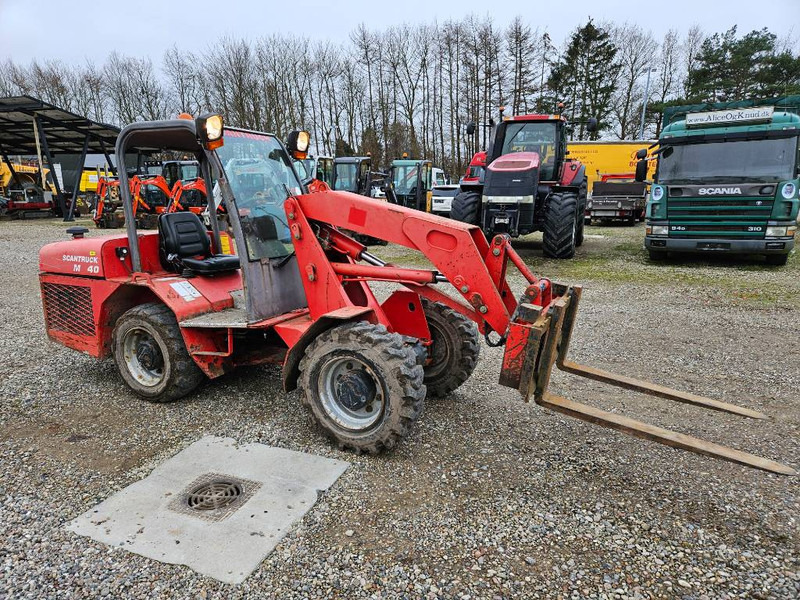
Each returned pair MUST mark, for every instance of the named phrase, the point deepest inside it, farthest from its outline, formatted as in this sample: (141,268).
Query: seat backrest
(183,235)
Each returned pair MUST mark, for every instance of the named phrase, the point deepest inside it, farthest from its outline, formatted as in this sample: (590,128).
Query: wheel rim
(143,356)
(440,350)
(351,393)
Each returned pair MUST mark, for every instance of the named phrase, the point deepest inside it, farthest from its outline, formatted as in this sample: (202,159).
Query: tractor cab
(352,174)
(411,182)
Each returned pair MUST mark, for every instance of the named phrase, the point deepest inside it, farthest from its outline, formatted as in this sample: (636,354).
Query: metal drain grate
(214,497)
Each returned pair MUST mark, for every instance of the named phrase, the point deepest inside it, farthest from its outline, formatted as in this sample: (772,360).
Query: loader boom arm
(535,329)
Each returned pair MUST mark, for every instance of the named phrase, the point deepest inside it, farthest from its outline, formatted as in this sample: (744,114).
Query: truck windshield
(261,177)
(766,160)
(533,136)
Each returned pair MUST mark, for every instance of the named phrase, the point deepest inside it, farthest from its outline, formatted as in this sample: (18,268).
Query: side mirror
(470,128)
(641,168)
(640,154)
(591,125)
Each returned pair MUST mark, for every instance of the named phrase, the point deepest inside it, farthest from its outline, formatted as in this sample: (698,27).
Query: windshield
(346,178)
(261,177)
(404,178)
(766,160)
(533,136)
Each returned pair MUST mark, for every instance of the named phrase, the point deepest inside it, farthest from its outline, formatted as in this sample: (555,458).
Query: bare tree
(636,51)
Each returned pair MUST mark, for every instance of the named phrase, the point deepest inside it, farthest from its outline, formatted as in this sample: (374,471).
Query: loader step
(230,318)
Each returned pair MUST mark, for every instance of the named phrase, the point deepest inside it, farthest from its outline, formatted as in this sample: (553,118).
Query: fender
(573,174)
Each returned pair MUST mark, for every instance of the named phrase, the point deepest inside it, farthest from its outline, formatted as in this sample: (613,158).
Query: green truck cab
(726,181)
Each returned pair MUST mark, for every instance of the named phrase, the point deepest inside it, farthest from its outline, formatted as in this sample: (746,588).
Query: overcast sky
(77,30)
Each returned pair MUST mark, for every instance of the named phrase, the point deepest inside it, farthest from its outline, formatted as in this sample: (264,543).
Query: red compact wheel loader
(173,311)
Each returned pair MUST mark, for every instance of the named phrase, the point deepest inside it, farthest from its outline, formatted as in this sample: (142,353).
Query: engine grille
(741,217)
(68,308)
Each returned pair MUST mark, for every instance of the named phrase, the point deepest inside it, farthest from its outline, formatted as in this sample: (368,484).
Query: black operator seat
(185,245)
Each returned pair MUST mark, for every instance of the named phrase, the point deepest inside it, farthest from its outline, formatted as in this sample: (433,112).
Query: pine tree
(585,77)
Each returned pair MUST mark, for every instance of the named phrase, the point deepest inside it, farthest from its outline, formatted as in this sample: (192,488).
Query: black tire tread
(466,208)
(559,220)
(187,374)
(468,352)
(400,360)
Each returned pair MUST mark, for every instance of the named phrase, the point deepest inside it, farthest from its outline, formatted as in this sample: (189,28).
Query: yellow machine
(27,174)
(609,158)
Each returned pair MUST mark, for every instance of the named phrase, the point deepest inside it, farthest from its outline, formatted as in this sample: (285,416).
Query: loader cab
(254,175)
(352,174)
(411,181)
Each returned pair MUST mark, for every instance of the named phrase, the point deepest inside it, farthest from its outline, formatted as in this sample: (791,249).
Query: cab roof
(781,122)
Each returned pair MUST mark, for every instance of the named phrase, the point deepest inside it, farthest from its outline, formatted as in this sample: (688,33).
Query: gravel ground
(488,498)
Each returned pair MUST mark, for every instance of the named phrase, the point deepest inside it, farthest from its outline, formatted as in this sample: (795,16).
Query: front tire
(561,226)
(363,386)
(454,349)
(151,355)
(466,208)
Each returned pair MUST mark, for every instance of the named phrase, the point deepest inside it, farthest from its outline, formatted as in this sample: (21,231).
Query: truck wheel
(151,355)
(777,260)
(581,215)
(466,208)
(561,226)
(363,386)
(454,351)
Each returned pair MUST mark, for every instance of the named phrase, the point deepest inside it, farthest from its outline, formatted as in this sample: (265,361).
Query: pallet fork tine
(548,347)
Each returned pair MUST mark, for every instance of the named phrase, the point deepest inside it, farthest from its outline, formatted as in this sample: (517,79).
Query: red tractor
(172,310)
(529,184)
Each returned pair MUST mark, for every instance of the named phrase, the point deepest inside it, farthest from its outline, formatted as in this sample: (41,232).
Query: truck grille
(68,308)
(741,217)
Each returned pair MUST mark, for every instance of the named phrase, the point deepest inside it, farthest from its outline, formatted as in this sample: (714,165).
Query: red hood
(516,161)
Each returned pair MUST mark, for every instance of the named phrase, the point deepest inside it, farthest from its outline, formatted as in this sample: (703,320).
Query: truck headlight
(657,193)
(777,231)
(788,190)
(619,204)
(660,230)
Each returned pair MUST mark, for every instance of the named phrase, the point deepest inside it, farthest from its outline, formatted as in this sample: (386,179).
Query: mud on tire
(151,355)
(363,386)
(455,349)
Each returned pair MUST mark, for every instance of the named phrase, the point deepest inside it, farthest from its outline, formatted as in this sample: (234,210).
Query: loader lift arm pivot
(536,329)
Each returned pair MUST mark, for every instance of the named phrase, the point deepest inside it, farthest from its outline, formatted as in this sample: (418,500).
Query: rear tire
(454,351)
(151,355)
(777,260)
(466,208)
(561,226)
(363,386)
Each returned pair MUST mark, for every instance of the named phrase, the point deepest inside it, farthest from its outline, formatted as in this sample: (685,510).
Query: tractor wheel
(466,208)
(454,350)
(581,215)
(151,355)
(363,386)
(561,226)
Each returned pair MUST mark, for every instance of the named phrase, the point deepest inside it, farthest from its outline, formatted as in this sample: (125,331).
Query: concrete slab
(248,496)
